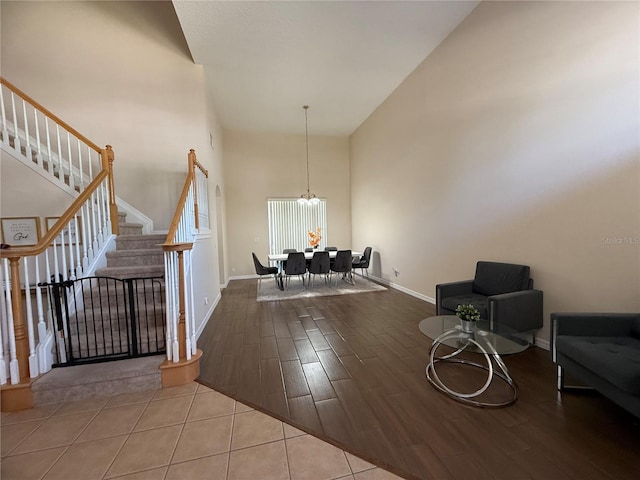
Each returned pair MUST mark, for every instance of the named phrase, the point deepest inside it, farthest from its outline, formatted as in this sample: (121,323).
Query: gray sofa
(601,350)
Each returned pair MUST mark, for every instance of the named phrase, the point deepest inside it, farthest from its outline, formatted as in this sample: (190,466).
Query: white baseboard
(208,315)
(404,290)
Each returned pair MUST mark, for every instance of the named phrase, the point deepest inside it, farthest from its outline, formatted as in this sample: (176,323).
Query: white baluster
(81,181)
(14,371)
(89,150)
(39,146)
(60,166)
(192,316)
(42,326)
(33,359)
(94,221)
(76,243)
(50,164)
(99,215)
(27,151)
(67,252)
(87,252)
(16,137)
(5,130)
(168,302)
(4,336)
(70,163)
(187,312)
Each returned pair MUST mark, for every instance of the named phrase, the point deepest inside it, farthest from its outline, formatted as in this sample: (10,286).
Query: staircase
(136,256)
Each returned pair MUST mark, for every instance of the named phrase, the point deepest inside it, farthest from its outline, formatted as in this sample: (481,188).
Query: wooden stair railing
(64,252)
(182,364)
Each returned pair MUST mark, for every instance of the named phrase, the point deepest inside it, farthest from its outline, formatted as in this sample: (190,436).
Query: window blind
(290,222)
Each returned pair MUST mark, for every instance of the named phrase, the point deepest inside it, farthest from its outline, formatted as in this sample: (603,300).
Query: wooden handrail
(199,165)
(191,179)
(54,231)
(55,118)
(178,213)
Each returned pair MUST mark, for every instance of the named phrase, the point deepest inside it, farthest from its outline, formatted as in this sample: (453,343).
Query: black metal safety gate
(99,319)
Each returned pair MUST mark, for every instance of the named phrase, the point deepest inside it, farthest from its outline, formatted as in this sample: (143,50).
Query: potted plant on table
(468,315)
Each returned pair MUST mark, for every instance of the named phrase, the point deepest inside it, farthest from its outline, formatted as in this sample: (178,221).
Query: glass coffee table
(482,340)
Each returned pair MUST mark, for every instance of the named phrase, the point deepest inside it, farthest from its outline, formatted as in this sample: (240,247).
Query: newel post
(18,396)
(183,370)
(107,164)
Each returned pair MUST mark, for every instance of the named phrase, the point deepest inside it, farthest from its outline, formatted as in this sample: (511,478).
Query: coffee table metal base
(490,355)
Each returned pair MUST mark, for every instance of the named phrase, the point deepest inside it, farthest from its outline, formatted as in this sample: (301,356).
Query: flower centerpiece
(315,237)
(467,315)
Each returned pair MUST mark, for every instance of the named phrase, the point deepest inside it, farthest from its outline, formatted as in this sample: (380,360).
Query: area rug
(269,292)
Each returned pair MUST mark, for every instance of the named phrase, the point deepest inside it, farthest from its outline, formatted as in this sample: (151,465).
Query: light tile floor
(180,433)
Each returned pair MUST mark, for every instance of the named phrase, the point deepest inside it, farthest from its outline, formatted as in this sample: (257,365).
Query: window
(290,222)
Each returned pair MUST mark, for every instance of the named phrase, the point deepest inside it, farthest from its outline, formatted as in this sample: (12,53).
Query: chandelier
(307,198)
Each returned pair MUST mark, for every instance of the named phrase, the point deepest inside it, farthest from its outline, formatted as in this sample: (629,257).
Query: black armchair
(502,292)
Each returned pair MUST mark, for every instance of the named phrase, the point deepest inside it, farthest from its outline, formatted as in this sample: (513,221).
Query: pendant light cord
(306,136)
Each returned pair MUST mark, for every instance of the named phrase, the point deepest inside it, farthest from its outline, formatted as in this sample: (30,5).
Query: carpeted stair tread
(143,256)
(134,242)
(136,271)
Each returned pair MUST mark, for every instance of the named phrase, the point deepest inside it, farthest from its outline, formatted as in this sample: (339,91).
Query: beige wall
(121,73)
(517,140)
(258,166)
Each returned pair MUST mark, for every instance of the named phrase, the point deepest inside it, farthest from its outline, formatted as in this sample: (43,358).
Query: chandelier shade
(307,198)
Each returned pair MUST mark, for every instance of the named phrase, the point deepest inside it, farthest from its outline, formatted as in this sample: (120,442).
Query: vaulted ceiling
(264,60)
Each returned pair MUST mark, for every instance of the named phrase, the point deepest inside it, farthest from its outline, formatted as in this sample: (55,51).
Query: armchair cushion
(478,301)
(493,278)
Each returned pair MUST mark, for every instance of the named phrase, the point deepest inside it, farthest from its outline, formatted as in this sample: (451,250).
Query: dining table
(280,258)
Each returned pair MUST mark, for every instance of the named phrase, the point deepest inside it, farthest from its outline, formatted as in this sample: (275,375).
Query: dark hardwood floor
(351,370)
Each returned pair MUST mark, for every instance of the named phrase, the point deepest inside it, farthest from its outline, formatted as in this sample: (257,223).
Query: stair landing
(82,382)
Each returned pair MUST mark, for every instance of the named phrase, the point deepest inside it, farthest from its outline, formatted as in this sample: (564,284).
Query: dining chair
(363,262)
(287,250)
(342,264)
(319,265)
(308,249)
(295,265)
(330,249)
(261,270)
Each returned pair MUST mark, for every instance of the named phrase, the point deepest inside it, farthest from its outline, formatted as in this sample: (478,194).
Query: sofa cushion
(478,301)
(616,359)
(493,278)
(635,328)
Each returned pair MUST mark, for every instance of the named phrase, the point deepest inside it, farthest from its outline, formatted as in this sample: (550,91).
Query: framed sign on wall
(20,231)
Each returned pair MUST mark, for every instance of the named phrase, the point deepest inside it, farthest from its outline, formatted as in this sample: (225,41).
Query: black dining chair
(287,250)
(331,249)
(363,262)
(308,249)
(319,266)
(295,265)
(342,264)
(261,270)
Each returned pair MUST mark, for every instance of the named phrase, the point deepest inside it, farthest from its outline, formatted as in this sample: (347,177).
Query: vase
(466,326)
